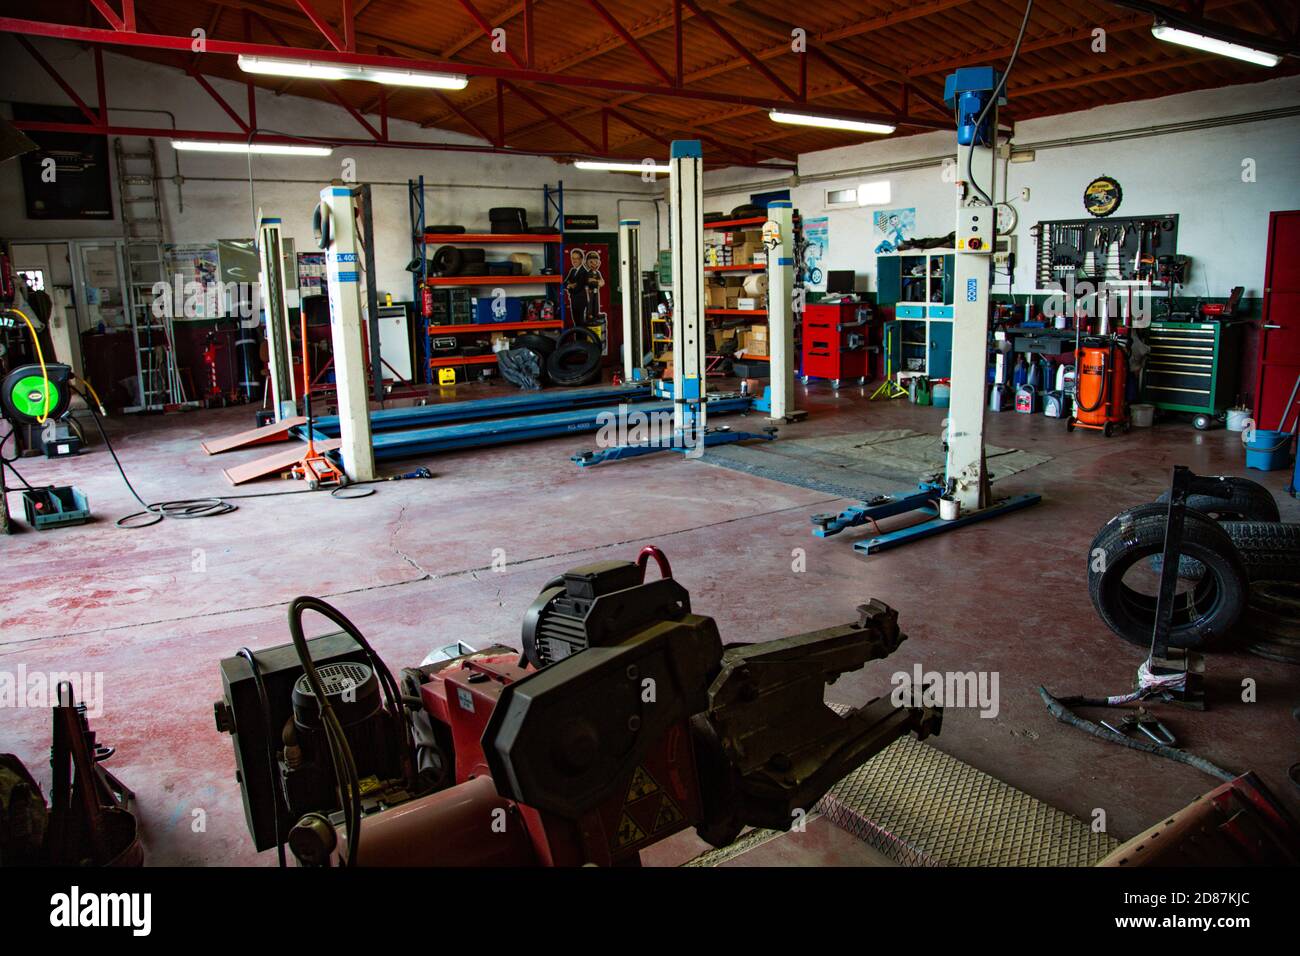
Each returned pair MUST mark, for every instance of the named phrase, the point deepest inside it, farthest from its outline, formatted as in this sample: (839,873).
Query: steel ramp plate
(274,464)
(921,807)
(276,431)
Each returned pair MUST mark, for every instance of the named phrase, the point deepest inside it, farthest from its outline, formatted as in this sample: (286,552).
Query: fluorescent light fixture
(1198,41)
(621,167)
(278,149)
(830,122)
(307,69)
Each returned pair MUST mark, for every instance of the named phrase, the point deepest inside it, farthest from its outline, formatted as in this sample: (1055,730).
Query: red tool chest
(835,340)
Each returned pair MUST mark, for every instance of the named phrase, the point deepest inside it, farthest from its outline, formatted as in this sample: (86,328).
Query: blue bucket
(1268,450)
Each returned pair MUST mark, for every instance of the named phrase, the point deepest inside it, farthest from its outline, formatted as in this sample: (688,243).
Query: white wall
(1197,174)
(215,191)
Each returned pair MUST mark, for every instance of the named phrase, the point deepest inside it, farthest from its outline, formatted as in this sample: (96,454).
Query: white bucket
(1142,415)
(1237,418)
(949,509)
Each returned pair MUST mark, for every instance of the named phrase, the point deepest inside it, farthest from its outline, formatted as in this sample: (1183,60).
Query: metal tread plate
(921,807)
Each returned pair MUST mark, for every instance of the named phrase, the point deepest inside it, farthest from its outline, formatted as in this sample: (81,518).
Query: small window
(836,198)
(35,279)
(874,194)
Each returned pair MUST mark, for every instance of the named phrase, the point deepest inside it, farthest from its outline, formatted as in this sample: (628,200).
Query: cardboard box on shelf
(748,304)
(756,340)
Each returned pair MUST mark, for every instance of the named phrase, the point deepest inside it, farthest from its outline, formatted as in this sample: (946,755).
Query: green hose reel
(24,392)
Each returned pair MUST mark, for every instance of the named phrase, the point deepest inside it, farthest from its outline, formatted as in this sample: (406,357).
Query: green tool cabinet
(1192,366)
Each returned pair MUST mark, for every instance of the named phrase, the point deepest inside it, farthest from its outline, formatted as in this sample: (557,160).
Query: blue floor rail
(391,445)
(440,413)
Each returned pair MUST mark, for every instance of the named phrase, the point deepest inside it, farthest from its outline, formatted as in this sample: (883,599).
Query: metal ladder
(158,380)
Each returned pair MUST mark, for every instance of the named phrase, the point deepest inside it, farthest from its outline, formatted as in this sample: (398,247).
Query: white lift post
(972,276)
(967,92)
(778,238)
(339,232)
(270,247)
(686,235)
(629,264)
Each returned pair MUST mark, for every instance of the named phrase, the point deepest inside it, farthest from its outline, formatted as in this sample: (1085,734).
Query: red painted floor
(153,610)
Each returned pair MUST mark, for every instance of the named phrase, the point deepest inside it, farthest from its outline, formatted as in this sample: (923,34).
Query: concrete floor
(153,610)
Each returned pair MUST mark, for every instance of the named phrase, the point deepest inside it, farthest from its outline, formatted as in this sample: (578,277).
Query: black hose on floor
(1060,709)
(184,507)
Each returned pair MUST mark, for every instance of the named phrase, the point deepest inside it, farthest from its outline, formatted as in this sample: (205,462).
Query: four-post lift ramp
(975,93)
(358,437)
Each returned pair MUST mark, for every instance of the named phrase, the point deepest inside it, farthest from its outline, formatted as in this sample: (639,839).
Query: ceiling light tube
(308,69)
(278,149)
(621,167)
(830,122)
(1199,41)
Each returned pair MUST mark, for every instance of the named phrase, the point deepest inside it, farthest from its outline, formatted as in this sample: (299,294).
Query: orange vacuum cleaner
(1100,402)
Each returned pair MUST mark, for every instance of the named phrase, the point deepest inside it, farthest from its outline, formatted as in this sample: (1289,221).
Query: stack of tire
(570,360)
(456,261)
(1239,571)
(507,220)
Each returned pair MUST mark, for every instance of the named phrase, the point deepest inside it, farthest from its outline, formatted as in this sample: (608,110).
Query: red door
(1279,341)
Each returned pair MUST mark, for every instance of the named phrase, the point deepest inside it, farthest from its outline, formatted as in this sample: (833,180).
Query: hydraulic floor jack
(314,467)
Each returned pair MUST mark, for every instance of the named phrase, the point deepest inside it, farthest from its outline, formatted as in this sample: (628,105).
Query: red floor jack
(623,721)
(314,467)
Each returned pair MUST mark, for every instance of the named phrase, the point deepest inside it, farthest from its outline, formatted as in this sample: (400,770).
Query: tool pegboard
(1118,248)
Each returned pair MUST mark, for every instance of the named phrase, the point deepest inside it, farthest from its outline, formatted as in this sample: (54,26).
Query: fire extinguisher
(426,302)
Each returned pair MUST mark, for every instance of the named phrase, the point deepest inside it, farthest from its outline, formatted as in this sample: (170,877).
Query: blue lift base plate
(621,452)
(924,499)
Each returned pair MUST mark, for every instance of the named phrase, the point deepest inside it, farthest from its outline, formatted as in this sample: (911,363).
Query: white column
(686,235)
(342,271)
(780,307)
(972,275)
(629,265)
(270,249)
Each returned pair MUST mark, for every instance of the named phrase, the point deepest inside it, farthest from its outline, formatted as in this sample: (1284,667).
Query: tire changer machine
(623,721)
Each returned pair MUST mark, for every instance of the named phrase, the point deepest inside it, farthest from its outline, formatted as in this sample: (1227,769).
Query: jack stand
(1166,661)
(1190,691)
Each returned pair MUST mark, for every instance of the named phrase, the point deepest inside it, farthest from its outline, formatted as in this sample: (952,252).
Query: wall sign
(581,222)
(1103,196)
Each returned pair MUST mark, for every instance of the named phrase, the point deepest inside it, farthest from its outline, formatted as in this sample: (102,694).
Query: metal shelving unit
(422,282)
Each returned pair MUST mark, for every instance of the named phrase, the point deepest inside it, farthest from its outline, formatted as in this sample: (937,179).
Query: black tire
(578,333)
(507,213)
(468,256)
(1203,615)
(1250,501)
(1270,550)
(1274,652)
(543,345)
(574,362)
(442,230)
(446,261)
(1277,597)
